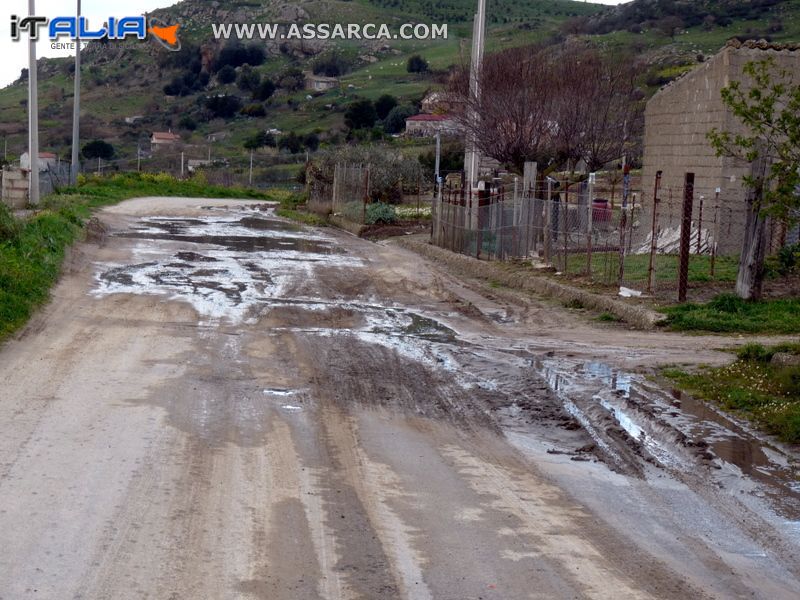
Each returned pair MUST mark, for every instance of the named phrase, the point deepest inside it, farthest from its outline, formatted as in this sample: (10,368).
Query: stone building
(677,119)
(428,125)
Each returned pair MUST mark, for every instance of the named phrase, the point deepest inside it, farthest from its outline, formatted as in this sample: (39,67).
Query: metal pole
(138,158)
(548,234)
(686,233)
(251,168)
(651,269)
(438,156)
(33,117)
(589,216)
(716,232)
(700,224)
(75,167)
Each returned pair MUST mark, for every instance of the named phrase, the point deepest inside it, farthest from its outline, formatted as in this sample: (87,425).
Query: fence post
(566,224)
(686,233)
(366,197)
(548,199)
(700,224)
(716,231)
(623,223)
(589,218)
(651,268)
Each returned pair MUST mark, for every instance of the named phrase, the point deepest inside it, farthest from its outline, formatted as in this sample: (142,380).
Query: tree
(223,106)
(395,121)
(226,74)
(292,142)
(417,64)
(248,79)
(265,90)
(552,105)
(292,80)
(98,149)
(768,107)
(670,25)
(260,140)
(384,105)
(311,142)
(360,115)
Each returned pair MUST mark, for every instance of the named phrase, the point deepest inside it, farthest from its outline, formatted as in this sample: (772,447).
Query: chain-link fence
(685,244)
(346,196)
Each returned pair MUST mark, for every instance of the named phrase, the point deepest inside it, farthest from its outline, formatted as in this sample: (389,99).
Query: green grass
(605,267)
(752,387)
(730,314)
(31,251)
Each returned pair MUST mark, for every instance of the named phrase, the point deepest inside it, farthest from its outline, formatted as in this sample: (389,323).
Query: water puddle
(676,429)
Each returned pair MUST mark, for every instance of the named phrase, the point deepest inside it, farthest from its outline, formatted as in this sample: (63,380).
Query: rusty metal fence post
(651,269)
(686,234)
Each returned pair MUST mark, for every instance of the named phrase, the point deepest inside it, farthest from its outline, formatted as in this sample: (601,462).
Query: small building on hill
(320,83)
(163,139)
(677,120)
(428,125)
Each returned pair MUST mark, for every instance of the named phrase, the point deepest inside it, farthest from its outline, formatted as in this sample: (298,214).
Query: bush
(248,79)
(380,213)
(187,122)
(226,74)
(264,90)
(98,149)
(9,226)
(417,64)
(384,105)
(395,122)
(360,115)
(254,110)
(223,107)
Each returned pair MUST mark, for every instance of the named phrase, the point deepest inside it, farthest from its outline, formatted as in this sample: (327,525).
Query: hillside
(160,90)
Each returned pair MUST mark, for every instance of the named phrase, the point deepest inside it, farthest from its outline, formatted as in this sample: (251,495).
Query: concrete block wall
(15,187)
(677,121)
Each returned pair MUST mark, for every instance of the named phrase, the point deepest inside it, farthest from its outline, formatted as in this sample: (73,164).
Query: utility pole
(438,156)
(251,168)
(472,158)
(75,167)
(181,164)
(33,117)
(138,158)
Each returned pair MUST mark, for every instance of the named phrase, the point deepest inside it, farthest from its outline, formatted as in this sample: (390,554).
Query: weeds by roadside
(755,386)
(32,250)
(728,313)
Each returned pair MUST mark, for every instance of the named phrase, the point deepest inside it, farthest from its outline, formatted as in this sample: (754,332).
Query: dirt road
(219,404)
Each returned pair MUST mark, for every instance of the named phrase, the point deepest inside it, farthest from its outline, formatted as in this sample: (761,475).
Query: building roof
(429,118)
(166,136)
(47,155)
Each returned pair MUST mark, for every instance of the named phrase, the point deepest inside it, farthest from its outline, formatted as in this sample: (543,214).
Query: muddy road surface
(220,404)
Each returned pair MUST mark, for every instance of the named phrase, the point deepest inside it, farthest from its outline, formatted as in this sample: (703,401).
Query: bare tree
(551,105)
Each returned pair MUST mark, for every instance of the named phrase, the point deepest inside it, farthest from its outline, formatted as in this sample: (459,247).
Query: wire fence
(685,244)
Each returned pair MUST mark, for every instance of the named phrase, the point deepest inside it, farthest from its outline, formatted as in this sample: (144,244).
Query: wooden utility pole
(686,236)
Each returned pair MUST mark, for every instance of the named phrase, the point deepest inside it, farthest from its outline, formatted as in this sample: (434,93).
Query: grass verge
(728,313)
(31,251)
(291,204)
(753,387)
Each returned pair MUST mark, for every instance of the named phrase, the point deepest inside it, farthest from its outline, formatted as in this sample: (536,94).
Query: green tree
(395,121)
(292,143)
(384,105)
(226,74)
(417,64)
(248,79)
(769,109)
(265,90)
(360,115)
(260,140)
(98,149)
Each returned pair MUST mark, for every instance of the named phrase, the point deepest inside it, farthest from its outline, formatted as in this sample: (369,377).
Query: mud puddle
(678,432)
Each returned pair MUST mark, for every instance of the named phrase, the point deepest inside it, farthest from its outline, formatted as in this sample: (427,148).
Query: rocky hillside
(217,97)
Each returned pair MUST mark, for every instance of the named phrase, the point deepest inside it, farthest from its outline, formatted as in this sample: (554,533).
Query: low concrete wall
(15,187)
(635,315)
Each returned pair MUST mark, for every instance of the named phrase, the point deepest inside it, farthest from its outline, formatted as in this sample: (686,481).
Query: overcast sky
(15,54)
